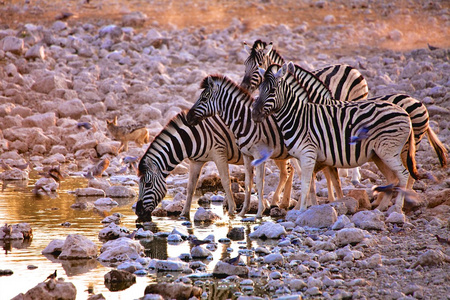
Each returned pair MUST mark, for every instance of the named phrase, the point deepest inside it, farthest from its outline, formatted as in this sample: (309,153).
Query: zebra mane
(274,68)
(257,45)
(204,84)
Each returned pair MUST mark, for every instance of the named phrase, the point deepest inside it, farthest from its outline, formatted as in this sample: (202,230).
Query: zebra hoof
(355,182)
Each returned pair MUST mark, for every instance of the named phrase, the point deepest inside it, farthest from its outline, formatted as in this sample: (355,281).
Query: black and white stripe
(223,97)
(321,134)
(210,140)
(345,82)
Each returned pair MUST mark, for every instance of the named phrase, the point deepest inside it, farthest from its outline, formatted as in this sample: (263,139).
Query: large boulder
(51,289)
(224,269)
(77,246)
(174,290)
(268,230)
(318,216)
(118,280)
(120,249)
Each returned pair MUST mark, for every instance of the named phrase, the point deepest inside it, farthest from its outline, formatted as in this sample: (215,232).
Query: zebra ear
(291,67)
(261,71)
(268,49)
(212,84)
(280,73)
(247,48)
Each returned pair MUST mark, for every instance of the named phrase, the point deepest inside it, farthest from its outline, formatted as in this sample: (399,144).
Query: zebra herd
(321,120)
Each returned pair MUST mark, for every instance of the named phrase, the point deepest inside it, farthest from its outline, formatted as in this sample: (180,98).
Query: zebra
(344,82)
(416,110)
(320,134)
(210,140)
(259,141)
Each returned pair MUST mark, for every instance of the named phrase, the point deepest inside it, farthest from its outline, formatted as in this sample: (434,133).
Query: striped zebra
(345,82)
(343,135)
(416,110)
(259,141)
(210,140)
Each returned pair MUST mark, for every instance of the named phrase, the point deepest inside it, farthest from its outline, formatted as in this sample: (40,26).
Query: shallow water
(46,214)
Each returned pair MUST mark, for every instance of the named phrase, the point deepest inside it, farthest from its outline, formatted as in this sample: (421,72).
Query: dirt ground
(415,19)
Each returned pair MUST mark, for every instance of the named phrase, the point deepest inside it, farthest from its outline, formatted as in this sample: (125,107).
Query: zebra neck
(235,111)
(317,91)
(274,58)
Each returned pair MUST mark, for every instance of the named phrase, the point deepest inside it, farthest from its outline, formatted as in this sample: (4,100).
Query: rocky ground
(88,62)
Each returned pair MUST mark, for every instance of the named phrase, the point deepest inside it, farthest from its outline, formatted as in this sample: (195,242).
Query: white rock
(317,216)
(205,215)
(105,201)
(349,236)
(120,249)
(55,246)
(369,220)
(77,246)
(268,230)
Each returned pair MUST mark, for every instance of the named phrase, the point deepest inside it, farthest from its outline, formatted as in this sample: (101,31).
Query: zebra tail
(438,147)
(411,157)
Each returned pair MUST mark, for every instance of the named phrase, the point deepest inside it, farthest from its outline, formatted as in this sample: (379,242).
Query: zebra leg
(287,189)
(307,172)
(312,199)
(283,167)
(248,184)
(332,176)
(195,168)
(384,199)
(356,176)
(260,188)
(222,167)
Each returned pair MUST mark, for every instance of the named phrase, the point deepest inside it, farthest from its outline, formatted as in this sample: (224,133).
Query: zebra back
(232,103)
(346,82)
(177,141)
(330,128)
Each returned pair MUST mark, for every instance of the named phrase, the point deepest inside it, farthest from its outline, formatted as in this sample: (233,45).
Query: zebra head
(266,103)
(152,188)
(204,106)
(258,58)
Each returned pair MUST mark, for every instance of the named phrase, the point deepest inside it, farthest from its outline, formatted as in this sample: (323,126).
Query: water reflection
(55,218)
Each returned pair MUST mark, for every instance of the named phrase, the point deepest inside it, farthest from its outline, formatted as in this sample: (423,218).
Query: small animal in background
(124,133)
(51,276)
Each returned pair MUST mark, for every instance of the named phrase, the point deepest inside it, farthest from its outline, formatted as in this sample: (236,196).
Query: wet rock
(268,230)
(105,202)
(78,247)
(118,280)
(112,231)
(6,272)
(236,234)
(224,269)
(89,192)
(54,247)
(120,249)
(168,265)
(200,252)
(51,289)
(118,191)
(203,215)
(16,231)
(173,290)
